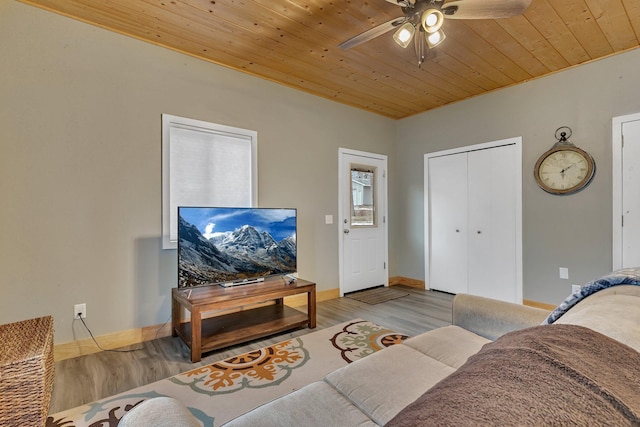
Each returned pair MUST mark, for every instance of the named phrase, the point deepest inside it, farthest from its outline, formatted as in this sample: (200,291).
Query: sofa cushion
(450,345)
(316,404)
(614,312)
(385,382)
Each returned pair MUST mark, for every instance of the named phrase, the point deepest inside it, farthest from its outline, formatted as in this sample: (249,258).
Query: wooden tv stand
(237,321)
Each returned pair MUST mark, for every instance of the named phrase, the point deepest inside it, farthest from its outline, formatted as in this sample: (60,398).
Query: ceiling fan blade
(402,3)
(372,33)
(484,9)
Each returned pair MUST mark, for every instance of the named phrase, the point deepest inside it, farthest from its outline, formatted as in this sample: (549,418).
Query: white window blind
(205,164)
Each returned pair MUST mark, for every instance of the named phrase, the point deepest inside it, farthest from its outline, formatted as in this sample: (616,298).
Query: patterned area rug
(377,295)
(226,389)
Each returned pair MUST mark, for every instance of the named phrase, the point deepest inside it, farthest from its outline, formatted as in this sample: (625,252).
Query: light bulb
(431,20)
(404,34)
(435,39)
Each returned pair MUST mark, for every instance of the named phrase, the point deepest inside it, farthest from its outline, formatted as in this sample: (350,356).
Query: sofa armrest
(491,318)
(159,412)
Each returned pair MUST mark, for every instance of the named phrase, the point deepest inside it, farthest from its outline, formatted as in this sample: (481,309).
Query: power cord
(96,342)
(115,350)
(162,326)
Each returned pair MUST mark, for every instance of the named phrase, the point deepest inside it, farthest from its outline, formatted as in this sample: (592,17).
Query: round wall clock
(565,168)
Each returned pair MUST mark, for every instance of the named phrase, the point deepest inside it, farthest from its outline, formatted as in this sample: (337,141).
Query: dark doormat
(376,295)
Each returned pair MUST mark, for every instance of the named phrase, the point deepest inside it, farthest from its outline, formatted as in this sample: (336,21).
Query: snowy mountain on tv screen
(243,253)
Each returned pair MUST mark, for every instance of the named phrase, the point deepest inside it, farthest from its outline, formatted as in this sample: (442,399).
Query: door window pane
(363,201)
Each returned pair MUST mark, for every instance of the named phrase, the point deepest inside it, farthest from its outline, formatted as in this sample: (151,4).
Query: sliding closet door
(492,223)
(448,229)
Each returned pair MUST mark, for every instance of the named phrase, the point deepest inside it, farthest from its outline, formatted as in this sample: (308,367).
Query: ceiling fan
(422,21)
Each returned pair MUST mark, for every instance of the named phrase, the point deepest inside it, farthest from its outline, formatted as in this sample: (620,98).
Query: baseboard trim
(120,339)
(110,341)
(420,284)
(539,305)
(406,281)
(301,299)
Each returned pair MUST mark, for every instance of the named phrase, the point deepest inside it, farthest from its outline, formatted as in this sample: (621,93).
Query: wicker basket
(26,372)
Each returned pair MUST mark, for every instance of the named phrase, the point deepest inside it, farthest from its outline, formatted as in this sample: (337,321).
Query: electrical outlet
(575,288)
(564,273)
(80,309)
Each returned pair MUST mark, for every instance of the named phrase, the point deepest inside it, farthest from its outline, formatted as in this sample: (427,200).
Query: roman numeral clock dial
(565,168)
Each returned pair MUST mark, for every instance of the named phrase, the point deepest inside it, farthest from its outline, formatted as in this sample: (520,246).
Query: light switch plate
(328,219)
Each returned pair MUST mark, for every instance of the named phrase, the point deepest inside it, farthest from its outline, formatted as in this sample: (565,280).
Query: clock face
(564,170)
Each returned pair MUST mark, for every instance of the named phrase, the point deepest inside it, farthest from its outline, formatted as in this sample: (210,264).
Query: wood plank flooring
(88,378)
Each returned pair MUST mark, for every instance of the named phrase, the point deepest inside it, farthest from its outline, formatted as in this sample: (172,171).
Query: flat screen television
(231,246)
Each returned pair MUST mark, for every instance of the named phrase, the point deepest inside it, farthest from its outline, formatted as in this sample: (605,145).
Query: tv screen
(234,245)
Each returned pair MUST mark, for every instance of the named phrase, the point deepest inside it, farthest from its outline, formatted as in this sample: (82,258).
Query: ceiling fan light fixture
(432,20)
(426,17)
(404,34)
(434,39)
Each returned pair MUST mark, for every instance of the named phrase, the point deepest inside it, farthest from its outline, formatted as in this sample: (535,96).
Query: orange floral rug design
(266,367)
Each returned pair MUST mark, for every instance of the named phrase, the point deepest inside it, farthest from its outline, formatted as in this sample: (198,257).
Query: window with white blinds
(204,164)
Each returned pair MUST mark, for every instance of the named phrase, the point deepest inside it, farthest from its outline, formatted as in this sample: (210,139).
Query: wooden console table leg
(311,308)
(175,317)
(196,335)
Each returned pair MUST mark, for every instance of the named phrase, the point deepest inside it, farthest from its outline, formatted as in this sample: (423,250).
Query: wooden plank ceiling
(295,43)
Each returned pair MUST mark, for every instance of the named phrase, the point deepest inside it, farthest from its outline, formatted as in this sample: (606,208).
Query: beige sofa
(372,391)
(383,387)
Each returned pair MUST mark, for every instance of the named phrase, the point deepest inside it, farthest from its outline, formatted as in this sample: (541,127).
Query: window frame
(170,122)
(374,202)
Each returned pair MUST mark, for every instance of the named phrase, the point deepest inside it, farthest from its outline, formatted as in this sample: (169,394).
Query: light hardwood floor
(88,378)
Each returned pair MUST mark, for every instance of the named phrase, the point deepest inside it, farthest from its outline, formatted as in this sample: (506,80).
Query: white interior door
(362,221)
(631,194)
(492,223)
(448,201)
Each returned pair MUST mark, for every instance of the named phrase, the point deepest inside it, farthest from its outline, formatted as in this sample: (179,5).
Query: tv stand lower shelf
(223,330)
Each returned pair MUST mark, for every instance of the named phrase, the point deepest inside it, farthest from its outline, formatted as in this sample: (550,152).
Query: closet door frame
(517,170)
(618,212)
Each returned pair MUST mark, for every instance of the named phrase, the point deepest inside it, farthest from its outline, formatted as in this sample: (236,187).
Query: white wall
(558,231)
(80,166)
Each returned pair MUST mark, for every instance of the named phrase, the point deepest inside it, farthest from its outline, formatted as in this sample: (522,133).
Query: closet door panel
(448,223)
(631,194)
(492,223)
